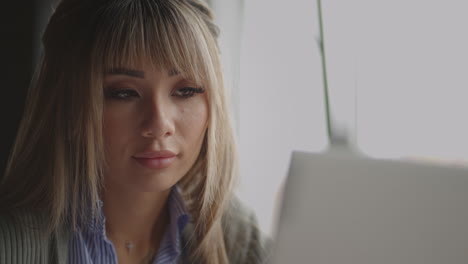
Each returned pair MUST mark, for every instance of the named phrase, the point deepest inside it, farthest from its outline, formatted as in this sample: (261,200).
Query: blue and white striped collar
(171,245)
(179,218)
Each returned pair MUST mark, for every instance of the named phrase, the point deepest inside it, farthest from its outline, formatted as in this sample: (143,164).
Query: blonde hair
(57,159)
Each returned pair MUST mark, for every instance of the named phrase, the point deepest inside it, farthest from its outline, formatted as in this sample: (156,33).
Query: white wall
(281,97)
(405,63)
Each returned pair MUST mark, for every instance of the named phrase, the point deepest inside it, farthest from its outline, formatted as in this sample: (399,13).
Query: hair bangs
(161,34)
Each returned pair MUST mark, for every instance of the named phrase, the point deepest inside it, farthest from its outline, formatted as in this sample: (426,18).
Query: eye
(186,92)
(121,94)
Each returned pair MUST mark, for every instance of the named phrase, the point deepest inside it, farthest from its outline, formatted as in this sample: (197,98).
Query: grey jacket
(21,241)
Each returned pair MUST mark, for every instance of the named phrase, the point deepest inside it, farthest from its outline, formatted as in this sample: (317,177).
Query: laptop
(346,209)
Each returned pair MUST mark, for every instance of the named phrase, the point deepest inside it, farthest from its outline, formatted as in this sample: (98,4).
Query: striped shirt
(91,246)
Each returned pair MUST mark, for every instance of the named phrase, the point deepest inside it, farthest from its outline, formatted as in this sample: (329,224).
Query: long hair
(56,164)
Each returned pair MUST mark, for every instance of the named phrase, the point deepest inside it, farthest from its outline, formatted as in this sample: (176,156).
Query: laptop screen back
(344,209)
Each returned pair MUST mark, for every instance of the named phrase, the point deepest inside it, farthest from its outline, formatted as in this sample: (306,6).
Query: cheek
(194,121)
(117,127)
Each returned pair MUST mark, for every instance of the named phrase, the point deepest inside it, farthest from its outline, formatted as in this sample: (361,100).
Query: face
(154,123)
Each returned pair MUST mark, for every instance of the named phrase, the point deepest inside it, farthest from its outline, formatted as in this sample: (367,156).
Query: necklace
(149,256)
(129,245)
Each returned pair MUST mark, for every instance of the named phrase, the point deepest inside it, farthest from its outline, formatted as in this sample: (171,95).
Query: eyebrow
(173,72)
(129,72)
(137,73)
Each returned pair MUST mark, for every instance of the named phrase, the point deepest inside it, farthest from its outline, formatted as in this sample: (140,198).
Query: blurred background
(396,73)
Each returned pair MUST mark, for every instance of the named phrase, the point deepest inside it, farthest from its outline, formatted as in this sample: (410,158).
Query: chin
(154,183)
(140,179)
(155,189)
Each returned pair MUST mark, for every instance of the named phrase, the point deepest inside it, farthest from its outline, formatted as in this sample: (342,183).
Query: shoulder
(244,240)
(245,244)
(23,240)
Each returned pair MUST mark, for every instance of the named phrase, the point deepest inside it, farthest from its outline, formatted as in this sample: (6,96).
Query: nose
(158,121)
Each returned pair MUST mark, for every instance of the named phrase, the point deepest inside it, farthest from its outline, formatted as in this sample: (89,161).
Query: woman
(125,153)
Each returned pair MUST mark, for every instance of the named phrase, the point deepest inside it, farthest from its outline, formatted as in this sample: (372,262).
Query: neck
(135,221)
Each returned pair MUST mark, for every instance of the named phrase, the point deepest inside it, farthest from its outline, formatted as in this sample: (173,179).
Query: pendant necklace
(129,245)
(147,259)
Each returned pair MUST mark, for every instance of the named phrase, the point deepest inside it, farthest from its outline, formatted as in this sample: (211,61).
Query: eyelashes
(129,94)
(120,94)
(187,92)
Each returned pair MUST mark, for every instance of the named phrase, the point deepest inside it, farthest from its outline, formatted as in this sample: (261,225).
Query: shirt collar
(178,219)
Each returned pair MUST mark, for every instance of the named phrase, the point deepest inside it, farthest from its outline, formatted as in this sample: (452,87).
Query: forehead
(145,73)
(164,34)
(141,68)
(141,72)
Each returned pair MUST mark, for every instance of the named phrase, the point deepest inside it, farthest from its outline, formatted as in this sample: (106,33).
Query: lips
(155,159)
